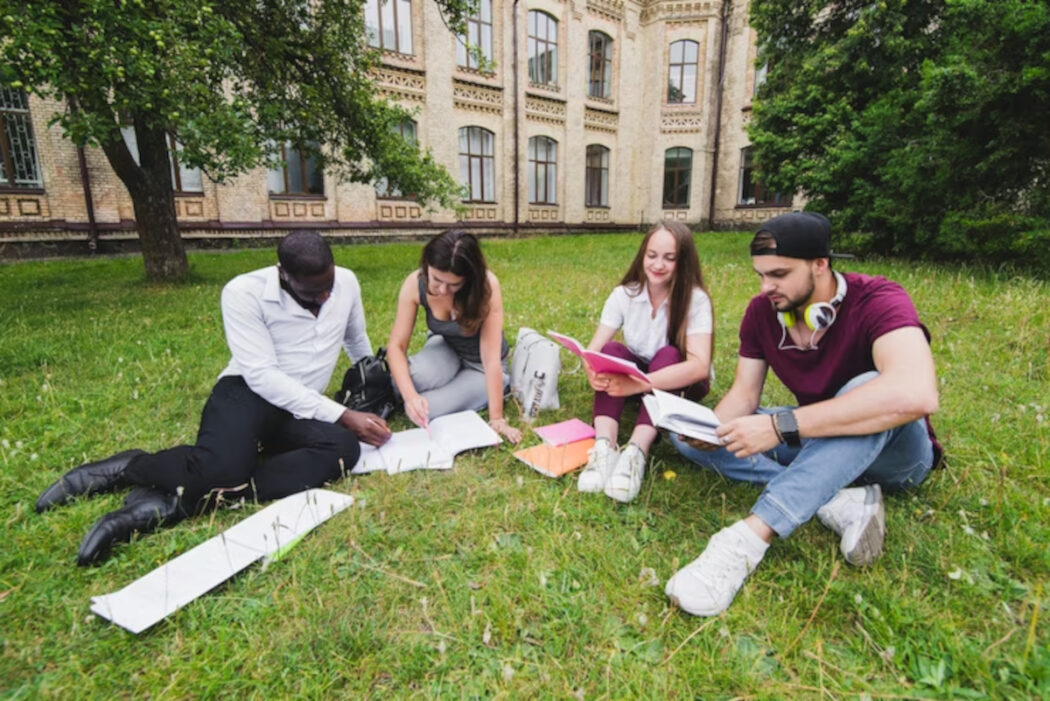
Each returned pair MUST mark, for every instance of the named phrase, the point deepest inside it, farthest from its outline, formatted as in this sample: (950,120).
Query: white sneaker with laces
(625,481)
(859,516)
(707,585)
(601,459)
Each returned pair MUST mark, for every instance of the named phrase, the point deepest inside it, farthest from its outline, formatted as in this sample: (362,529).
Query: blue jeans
(801,480)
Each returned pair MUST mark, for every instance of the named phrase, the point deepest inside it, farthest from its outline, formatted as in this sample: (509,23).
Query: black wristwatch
(787,427)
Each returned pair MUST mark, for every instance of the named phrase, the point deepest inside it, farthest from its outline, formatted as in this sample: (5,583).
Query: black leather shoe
(90,478)
(145,509)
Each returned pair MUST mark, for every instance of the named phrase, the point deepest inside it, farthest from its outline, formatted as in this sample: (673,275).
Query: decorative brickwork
(542,109)
(543,214)
(597,214)
(678,122)
(611,10)
(402,83)
(600,120)
(479,98)
(668,10)
(480,213)
(399,210)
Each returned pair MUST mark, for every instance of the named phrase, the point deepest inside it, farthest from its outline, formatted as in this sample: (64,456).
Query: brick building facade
(593,114)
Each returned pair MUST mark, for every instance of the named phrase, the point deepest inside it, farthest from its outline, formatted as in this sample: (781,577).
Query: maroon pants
(606,405)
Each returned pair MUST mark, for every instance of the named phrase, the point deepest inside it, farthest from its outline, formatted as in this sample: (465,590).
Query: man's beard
(793,304)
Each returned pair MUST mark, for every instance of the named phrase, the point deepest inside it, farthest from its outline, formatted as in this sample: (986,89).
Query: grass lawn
(490,579)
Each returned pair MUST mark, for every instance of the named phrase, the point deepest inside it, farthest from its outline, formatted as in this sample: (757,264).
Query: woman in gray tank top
(463,363)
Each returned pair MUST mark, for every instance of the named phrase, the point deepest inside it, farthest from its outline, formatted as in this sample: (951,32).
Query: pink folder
(564,432)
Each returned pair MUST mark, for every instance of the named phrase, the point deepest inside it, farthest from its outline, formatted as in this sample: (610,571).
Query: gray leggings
(448,382)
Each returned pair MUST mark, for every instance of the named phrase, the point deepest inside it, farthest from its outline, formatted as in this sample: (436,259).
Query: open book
(432,448)
(682,416)
(599,362)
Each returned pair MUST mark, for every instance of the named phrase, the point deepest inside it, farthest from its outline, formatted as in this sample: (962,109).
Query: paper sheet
(151,598)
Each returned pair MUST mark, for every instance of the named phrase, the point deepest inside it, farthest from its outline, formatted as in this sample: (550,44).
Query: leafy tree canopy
(923,122)
(230,80)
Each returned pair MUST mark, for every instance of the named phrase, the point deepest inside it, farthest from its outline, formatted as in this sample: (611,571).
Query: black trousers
(245,440)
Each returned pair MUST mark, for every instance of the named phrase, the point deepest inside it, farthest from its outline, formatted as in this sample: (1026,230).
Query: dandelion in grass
(647,577)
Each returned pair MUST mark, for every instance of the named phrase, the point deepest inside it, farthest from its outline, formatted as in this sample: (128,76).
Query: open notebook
(599,362)
(432,448)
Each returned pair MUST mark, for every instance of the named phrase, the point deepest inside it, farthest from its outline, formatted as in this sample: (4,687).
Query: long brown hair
(687,276)
(457,252)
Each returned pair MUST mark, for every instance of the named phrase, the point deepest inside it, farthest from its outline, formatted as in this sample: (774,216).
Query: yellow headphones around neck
(819,315)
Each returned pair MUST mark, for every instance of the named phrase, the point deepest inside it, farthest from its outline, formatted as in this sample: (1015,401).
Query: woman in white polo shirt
(665,315)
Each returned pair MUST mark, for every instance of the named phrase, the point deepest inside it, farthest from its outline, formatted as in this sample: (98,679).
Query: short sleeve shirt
(873,306)
(643,333)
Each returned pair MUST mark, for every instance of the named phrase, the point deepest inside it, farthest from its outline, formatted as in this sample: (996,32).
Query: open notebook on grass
(682,416)
(432,448)
(599,362)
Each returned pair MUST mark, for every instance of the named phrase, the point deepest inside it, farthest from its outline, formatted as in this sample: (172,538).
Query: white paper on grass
(151,598)
(433,448)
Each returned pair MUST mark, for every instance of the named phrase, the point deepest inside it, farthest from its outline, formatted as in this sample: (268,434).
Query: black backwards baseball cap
(804,235)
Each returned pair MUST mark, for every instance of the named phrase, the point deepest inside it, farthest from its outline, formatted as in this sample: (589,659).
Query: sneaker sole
(869,542)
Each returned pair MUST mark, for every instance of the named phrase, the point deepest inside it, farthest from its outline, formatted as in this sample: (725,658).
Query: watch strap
(787,426)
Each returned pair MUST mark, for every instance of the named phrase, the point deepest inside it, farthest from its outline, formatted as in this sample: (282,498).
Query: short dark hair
(304,253)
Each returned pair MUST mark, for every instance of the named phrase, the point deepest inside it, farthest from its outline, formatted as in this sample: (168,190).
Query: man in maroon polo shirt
(852,350)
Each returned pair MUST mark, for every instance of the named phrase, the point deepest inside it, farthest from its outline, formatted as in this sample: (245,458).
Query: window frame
(537,76)
(596,177)
(600,63)
(400,37)
(382,186)
(680,68)
(761,195)
(543,173)
(304,160)
(672,178)
(176,170)
(9,177)
(483,160)
(476,25)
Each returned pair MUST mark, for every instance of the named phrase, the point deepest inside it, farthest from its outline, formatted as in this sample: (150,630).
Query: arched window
(596,190)
(477,167)
(681,71)
(678,164)
(599,65)
(543,48)
(543,170)
(478,36)
(388,24)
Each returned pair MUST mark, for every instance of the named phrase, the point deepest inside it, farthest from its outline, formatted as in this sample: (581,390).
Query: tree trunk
(149,183)
(162,249)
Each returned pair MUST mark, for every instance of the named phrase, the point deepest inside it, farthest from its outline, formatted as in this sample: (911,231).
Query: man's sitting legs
(814,478)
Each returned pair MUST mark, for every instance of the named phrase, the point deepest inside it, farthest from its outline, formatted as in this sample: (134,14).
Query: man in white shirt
(267,430)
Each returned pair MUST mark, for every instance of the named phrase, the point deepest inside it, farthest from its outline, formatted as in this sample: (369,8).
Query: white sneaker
(707,585)
(625,481)
(601,459)
(858,515)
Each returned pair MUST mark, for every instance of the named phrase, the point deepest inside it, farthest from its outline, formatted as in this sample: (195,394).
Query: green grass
(491,580)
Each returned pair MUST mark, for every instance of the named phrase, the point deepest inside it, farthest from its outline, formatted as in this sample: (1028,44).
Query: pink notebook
(564,432)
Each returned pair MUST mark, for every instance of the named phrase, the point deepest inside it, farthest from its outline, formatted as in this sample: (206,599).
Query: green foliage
(229,80)
(490,580)
(921,122)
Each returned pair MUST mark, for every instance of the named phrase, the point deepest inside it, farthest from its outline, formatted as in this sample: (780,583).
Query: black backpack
(367,386)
